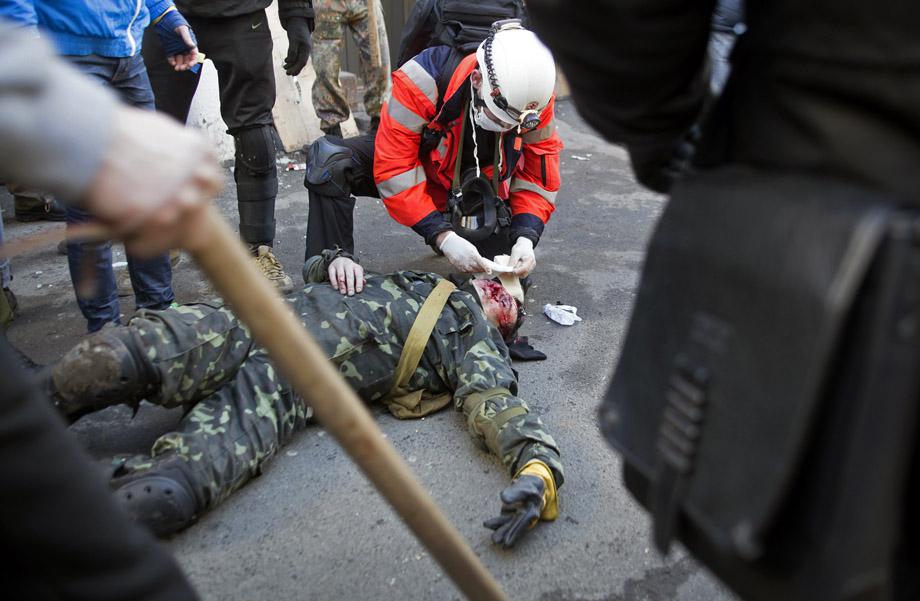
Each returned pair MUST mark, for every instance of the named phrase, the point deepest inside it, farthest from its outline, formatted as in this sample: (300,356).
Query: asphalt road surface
(311,527)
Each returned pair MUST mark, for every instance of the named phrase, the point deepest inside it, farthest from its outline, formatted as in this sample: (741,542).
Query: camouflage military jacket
(465,355)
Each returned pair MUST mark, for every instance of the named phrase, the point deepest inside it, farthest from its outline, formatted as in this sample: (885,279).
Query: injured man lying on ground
(411,340)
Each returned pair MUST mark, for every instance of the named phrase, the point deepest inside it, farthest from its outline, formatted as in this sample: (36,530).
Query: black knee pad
(255,150)
(256,178)
(329,167)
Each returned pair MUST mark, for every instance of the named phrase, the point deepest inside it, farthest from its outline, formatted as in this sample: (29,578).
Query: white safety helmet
(518,74)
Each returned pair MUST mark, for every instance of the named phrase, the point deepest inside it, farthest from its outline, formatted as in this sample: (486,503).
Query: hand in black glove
(300,43)
(659,166)
(522,503)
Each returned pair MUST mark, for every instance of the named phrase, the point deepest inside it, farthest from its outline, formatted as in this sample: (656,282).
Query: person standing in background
(150,180)
(364,18)
(101,38)
(235,35)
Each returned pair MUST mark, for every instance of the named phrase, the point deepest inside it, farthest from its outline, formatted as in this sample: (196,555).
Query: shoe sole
(160,503)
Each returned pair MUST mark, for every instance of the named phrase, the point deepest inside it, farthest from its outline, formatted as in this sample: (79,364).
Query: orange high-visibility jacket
(414,185)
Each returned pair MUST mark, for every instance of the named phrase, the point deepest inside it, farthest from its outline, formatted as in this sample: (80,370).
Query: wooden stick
(83,232)
(373,37)
(303,363)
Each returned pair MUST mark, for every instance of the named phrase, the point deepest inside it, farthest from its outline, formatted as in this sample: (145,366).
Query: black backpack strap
(418,30)
(447,111)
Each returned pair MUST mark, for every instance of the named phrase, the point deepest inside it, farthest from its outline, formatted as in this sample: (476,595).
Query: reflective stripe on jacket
(413,187)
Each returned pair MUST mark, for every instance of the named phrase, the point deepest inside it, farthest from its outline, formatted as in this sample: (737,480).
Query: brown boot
(271,268)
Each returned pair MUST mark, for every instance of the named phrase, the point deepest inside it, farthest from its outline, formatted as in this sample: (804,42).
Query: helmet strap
(473,127)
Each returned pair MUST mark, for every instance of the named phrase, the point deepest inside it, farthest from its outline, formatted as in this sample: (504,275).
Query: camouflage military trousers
(332,18)
(240,412)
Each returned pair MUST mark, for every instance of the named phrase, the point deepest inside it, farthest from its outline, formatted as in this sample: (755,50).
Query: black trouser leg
(330,224)
(256,177)
(241,49)
(336,170)
(173,91)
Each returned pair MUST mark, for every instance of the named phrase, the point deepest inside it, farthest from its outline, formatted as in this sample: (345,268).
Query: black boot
(38,207)
(159,498)
(100,371)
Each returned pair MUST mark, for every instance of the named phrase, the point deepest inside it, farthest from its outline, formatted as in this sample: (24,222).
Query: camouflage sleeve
(316,268)
(485,391)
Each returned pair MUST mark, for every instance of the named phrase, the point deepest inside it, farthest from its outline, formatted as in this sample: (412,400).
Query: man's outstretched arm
(485,391)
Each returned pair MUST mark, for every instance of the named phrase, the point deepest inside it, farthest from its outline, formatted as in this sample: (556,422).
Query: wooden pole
(303,363)
(372,36)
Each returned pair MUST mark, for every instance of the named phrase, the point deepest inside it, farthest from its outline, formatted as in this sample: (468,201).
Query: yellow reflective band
(522,184)
(422,80)
(401,182)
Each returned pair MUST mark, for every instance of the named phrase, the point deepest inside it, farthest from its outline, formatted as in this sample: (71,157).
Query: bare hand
(155,180)
(346,276)
(187,60)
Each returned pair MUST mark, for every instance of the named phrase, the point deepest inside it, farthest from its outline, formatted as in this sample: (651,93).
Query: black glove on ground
(520,349)
(522,503)
(300,44)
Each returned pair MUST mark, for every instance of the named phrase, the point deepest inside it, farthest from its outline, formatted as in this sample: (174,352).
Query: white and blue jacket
(111,28)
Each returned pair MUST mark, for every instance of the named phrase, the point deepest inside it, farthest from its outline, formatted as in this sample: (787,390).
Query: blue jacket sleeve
(20,12)
(156,7)
(59,121)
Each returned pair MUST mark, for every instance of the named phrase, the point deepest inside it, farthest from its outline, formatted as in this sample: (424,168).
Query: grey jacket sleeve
(55,124)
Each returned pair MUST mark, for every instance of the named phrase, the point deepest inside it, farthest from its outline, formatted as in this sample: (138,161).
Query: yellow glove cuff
(537,468)
(160,18)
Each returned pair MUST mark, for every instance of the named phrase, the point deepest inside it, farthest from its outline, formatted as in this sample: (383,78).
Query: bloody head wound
(511,314)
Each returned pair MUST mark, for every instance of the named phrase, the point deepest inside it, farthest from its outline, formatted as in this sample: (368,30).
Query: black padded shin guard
(256,202)
(256,176)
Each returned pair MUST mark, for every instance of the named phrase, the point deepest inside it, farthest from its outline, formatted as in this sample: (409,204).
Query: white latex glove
(522,257)
(346,276)
(463,255)
(155,180)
